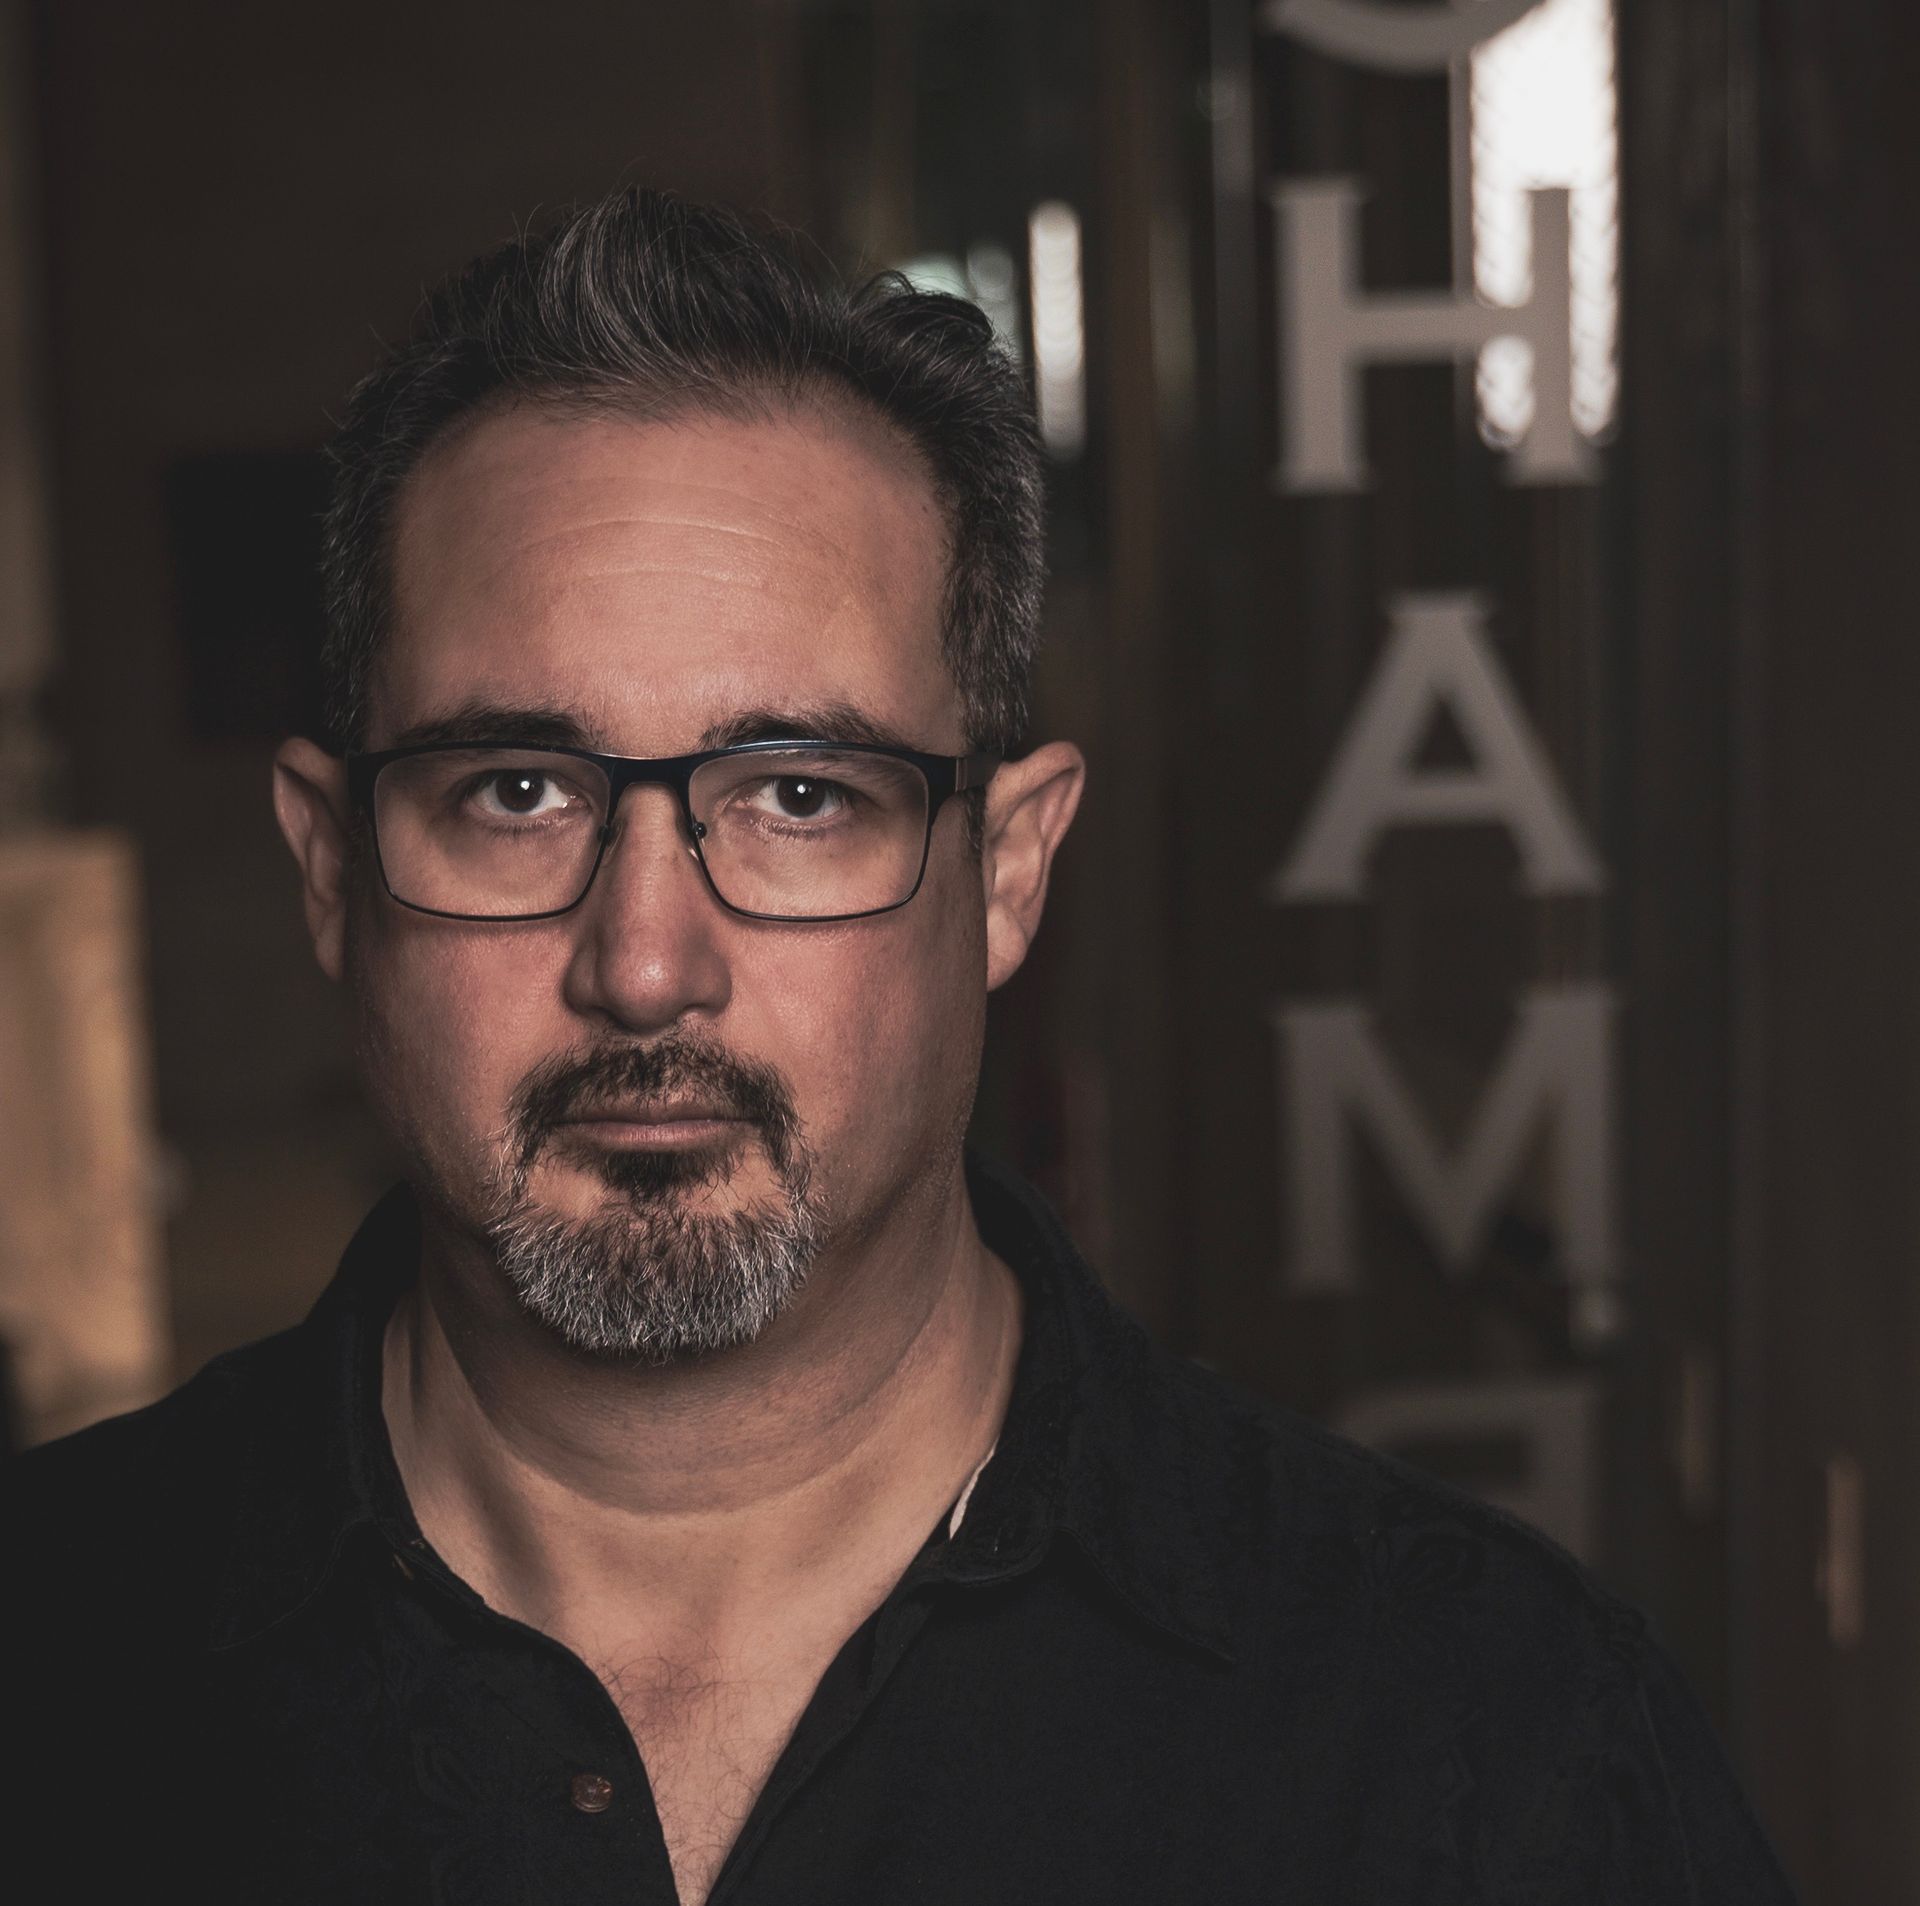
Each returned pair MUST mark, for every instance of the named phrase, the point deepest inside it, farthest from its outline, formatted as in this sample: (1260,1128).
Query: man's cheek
(888,1061)
(425,1049)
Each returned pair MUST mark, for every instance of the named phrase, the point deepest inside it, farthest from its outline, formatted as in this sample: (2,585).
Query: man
(705,1481)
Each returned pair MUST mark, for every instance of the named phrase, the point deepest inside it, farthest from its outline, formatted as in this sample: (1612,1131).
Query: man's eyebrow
(536,726)
(816,721)
(530,726)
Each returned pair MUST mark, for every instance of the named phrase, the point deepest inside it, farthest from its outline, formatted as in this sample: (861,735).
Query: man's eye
(800,797)
(520,793)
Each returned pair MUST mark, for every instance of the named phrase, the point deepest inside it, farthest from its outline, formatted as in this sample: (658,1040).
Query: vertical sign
(1547,1098)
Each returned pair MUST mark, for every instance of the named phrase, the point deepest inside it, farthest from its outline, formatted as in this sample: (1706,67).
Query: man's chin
(698,1265)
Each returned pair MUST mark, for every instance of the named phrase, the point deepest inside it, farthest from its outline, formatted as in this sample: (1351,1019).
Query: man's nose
(650,943)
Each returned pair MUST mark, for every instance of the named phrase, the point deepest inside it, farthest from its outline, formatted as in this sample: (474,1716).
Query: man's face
(666,587)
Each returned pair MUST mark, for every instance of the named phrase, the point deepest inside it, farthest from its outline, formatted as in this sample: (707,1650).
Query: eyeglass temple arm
(973,770)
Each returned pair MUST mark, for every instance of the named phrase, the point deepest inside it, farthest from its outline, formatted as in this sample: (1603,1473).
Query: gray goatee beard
(652,1278)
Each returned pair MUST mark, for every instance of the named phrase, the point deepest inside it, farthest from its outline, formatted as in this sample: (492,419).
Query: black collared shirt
(1182,1648)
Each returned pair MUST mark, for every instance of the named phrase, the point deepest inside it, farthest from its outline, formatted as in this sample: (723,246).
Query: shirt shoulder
(149,1497)
(1302,1515)
(1516,1708)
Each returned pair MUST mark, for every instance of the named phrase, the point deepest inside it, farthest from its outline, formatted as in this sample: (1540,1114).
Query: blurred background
(1479,1008)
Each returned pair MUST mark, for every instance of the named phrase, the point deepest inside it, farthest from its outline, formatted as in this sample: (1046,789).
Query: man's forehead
(804,489)
(682,576)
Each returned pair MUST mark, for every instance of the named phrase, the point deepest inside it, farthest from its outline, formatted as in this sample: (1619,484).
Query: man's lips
(658,1122)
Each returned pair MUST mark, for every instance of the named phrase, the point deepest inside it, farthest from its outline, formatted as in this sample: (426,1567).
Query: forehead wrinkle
(672,520)
(495,458)
(847,573)
(651,522)
(735,513)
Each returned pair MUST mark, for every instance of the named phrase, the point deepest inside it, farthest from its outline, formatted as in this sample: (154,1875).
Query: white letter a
(1438,657)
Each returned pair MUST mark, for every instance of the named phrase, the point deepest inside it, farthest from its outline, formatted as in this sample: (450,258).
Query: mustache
(570,1083)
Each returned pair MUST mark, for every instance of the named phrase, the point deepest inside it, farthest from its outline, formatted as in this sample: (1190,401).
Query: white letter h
(1330,331)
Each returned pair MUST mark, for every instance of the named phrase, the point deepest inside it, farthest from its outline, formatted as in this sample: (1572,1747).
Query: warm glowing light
(1059,328)
(1544,114)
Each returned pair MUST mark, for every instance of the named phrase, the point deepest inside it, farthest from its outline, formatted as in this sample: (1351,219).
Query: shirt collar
(1104,1441)
(320,1474)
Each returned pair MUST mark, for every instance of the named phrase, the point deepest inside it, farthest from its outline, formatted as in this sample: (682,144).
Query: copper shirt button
(592,1793)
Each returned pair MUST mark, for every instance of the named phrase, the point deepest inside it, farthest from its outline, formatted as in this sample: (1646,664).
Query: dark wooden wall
(1827,943)
(1773,391)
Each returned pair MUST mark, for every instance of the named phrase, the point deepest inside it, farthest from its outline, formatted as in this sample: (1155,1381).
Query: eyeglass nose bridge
(676,774)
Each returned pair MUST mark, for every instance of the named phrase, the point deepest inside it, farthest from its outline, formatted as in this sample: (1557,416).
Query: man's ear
(310,801)
(1030,806)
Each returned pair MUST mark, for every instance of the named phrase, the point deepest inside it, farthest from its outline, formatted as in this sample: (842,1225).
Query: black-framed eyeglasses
(783,830)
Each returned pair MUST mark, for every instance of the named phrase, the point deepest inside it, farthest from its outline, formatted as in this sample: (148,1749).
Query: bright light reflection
(936,271)
(985,276)
(990,281)
(1059,332)
(1544,114)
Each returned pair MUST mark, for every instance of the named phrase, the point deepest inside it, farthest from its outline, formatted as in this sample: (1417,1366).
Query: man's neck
(692,1499)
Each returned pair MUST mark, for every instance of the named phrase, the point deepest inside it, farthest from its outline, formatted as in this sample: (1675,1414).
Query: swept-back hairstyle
(644,304)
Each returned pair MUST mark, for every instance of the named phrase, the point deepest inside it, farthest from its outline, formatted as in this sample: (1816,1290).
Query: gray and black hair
(645,304)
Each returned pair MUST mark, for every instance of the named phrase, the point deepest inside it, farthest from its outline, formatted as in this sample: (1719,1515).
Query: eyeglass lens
(803,833)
